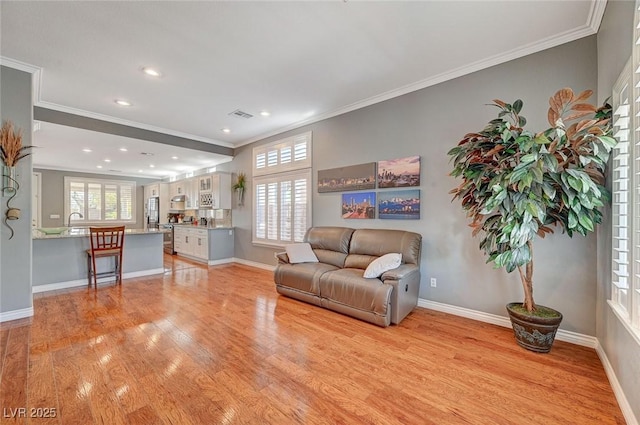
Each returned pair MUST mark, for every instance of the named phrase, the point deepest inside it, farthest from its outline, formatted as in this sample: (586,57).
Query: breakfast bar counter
(60,260)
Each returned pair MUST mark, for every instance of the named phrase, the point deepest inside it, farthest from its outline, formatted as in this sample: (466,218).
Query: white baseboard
(254,264)
(221,261)
(83,282)
(561,335)
(16,314)
(625,407)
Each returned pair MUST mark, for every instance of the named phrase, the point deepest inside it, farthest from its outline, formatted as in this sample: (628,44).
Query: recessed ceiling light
(151,166)
(152,72)
(123,102)
(265,113)
(123,149)
(174,157)
(140,171)
(98,166)
(107,160)
(86,150)
(226,130)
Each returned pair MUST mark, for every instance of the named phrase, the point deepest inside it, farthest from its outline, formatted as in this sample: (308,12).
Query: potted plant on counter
(517,185)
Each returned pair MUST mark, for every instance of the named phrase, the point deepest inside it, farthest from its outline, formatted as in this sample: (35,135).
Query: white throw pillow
(382,264)
(300,253)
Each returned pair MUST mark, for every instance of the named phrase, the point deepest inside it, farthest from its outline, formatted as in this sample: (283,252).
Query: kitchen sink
(53,230)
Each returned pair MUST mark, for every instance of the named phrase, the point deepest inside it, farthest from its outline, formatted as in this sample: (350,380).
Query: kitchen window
(282,191)
(99,201)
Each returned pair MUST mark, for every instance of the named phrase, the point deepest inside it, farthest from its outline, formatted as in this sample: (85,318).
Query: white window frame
(276,164)
(625,207)
(77,221)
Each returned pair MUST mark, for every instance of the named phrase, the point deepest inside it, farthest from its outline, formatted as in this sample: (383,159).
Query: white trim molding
(625,407)
(561,335)
(16,314)
(255,264)
(83,282)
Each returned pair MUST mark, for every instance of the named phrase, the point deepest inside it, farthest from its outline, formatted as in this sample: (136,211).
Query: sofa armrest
(405,270)
(282,257)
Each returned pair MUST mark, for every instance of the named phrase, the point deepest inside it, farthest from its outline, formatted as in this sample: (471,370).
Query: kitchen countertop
(84,232)
(207,227)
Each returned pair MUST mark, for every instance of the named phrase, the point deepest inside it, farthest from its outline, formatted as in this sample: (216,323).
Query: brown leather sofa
(336,282)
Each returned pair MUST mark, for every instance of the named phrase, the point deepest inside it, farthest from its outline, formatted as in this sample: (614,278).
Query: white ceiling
(301,61)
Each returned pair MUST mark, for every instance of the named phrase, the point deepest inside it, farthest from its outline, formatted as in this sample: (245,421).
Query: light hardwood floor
(217,345)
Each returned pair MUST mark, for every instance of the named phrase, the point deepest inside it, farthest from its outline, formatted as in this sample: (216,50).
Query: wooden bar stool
(105,242)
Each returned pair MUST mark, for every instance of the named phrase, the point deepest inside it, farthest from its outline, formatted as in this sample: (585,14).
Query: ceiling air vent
(240,114)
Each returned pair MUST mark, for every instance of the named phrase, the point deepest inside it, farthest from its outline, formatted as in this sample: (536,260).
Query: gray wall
(428,123)
(615,40)
(15,254)
(53,195)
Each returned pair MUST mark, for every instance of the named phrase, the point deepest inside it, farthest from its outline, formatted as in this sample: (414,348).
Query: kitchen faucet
(72,214)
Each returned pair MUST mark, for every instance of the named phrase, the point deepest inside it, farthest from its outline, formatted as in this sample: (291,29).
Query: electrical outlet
(230,232)
(433,282)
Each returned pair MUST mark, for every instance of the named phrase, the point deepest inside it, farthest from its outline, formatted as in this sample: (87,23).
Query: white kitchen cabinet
(192,242)
(151,191)
(176,188)
(192,193)
(215,191)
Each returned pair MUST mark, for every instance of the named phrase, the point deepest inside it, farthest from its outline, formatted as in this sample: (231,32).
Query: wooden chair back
(106,238)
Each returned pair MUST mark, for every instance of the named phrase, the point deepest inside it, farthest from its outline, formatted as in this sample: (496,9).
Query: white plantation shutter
(94,201)
(625,206)
(100,201)
(260,217)
(126,202)
(282,211)
(633,302)
(282,187)
(620,187)
(301,220)
(292,153)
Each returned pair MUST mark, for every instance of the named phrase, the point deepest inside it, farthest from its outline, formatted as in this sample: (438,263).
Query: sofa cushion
(358,261)
(382,264)
(347,286)
(300,253)
(331,244)
(378,242)
(303,277)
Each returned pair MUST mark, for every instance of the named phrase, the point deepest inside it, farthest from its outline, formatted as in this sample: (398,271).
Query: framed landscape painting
(399,204)
(360,205)
(353,177)
(401,172)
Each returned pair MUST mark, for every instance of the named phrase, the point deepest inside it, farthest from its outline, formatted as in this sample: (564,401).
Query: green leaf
(522,121)
(529,158)
(608,141)
(573,220)
(517,106)
(586,222)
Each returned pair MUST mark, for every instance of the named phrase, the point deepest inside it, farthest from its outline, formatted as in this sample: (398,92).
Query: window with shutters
(99,201)
(282,190)
(625,185)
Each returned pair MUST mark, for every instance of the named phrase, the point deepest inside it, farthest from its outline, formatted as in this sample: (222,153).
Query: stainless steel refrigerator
(153,213)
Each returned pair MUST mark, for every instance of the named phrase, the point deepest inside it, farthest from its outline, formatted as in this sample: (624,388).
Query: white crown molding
(16,314)
(625,407)
(595,14)
(527,49)
(494,319)
(36,71)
